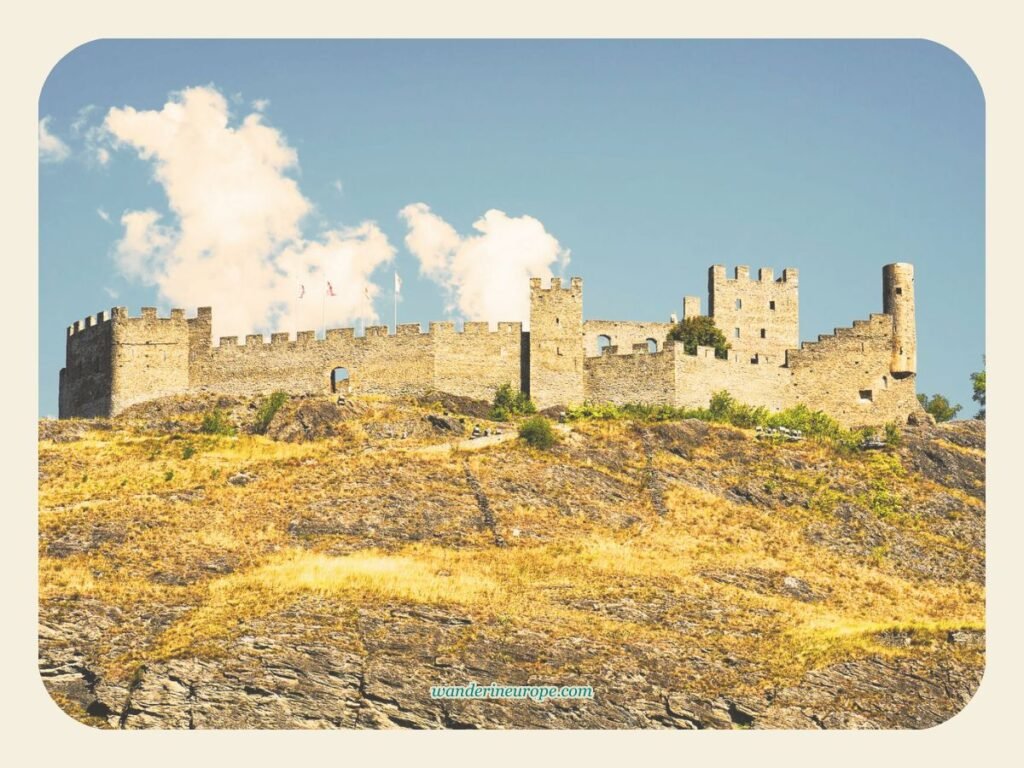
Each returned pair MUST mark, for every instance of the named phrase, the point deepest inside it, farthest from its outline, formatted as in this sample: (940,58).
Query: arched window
(652,345)
(339,380)
(602,342)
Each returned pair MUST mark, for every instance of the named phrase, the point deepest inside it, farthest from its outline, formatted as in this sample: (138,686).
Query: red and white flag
(302,291)
(330,289)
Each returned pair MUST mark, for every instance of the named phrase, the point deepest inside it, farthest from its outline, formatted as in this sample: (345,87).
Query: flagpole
(323,316)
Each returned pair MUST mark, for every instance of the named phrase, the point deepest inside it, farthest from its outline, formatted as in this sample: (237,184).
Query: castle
(861,375)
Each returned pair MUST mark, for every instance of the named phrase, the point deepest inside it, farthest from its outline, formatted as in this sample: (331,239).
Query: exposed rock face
(376,671)
(669,566)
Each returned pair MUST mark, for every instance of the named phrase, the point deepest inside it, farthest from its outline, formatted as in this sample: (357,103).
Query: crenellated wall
(85,380)
(556,343)
(636,376)
(861,375)
(622,334)
(765,312)
(847,374)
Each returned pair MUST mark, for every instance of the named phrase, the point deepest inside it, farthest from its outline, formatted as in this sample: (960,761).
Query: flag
(330,289)
(398,283)
(366,293)
(302,291)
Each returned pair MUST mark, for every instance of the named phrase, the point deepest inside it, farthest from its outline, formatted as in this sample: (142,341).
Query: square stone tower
(556,342)
(757,316)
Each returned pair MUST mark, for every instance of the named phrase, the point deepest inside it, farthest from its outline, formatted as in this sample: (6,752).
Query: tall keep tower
(556,342)
(759,316)
(898,302)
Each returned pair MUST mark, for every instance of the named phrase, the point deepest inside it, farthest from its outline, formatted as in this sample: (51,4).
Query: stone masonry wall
(477,361)
(150,356)
(86,378)
(756,316)
(624,334)
(636,377)
(115,361)
(556,343)
(846,374)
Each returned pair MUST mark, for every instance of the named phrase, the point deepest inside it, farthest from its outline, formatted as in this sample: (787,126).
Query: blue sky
(635,164)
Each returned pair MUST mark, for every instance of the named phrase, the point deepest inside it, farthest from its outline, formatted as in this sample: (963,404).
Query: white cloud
(103,214)
(51,148)
(81,121)
(486,276)
(110,292)
(338,186)
(236,242)
(260,105)
(102,155)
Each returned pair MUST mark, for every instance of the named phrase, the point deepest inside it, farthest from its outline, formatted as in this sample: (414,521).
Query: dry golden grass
(140,486)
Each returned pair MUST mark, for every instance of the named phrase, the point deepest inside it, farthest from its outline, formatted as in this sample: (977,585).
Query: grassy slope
(145,522)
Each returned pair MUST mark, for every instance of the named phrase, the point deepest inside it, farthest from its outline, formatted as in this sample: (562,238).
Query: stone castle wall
(623,334)
(764,312)
(556,343)
(637,376)
(863,374)
(87,377)
(847,374)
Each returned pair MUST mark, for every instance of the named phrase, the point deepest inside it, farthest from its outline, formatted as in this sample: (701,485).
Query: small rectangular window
(865,396)
(771,305)
(899,291)
(764,334)
(736,332)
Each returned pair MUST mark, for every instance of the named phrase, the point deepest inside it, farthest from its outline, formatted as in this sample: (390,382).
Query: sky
(247,175)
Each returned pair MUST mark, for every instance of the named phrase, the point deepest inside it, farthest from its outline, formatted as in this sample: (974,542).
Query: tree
(978,381)
(939,407)
(699,332)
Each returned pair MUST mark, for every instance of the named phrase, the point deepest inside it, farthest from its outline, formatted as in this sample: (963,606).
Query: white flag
(398,283)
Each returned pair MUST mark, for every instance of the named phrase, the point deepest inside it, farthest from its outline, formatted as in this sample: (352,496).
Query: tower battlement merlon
(575,285)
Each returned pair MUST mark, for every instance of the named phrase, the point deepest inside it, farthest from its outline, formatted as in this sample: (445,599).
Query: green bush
(725,409)
(510,402)
(699,331)
(892,434)
(938,406)
(267,409)
(978,385)
(217,423)
(537,432)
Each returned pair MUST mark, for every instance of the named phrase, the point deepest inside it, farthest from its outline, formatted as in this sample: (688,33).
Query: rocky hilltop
(327,572)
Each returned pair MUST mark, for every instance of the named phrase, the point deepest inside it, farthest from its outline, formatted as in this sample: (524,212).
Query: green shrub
(699,331)
(267,409)
(537,432)
(978,385)
(938,406)
(168,475)
(188,452)
(892,434)
(510,402)
(217,423)
(723,408)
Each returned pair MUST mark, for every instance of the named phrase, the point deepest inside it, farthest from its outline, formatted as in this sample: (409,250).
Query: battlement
(335,336)
(764,275)
(146,315)
(89,322)
(860,374)
(537,285)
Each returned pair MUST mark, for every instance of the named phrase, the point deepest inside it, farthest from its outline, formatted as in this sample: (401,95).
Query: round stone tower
(898,302)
